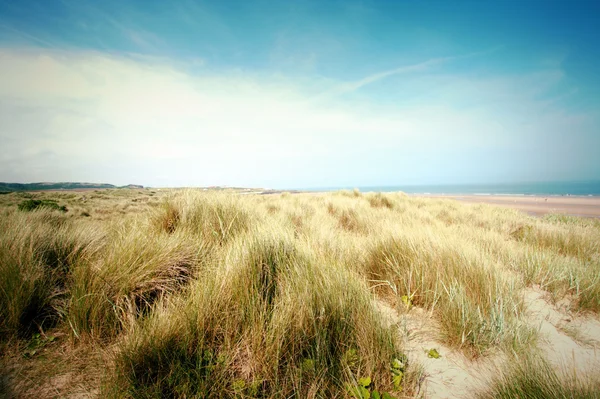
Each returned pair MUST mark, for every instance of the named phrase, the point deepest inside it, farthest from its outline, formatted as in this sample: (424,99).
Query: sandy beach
(538,205)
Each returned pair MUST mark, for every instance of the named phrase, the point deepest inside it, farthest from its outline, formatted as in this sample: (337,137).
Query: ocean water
(574,188)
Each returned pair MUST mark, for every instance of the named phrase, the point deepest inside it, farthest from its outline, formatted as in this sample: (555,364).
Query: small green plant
(407,301)
(36,343)
(308,366)
(398,369)
(238,386)
(350,358)
(433,353)
(364,387)
(243,389)
(362,390)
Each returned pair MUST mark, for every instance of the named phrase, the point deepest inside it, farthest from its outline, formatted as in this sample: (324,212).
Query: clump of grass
(532,377)
(564,260)
(268,322)
(37,253)
(473,301)
(348,219)
(169,219)
(212,217)
(33,204)
(134,270)
(347,193)
(297,221)
(567,239)
(380,200)
(272,208)
(562,219)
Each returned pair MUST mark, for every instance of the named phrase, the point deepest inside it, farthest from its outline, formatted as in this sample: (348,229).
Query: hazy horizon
(300,94)
(552,188)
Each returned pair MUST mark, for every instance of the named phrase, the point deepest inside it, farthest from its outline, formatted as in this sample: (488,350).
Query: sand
(537,205)
(569,341)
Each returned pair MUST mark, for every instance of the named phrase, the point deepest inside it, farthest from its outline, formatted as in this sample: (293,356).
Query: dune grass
(269,322)
(476,303)
(531,377)
(215,294)
(37,253)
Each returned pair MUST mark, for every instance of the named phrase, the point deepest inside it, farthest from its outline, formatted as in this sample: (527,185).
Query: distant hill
(11,187)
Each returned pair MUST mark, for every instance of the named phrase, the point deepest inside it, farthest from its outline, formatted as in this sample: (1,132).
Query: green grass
(32,204)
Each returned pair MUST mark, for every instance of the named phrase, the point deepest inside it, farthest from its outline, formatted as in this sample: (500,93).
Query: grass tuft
(37,253)
(122,283)
(380,200)
(474,302)
(532,377)
(33,204)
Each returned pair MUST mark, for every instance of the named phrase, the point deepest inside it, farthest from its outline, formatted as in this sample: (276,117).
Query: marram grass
(217,294)
(532,377)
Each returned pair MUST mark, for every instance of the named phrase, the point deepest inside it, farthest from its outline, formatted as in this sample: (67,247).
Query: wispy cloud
(349,87)
(29,37)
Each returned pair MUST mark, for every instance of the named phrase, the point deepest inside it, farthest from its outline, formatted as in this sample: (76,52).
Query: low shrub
(33,204)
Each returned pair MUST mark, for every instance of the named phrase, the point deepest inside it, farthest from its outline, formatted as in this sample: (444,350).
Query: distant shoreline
(445,194)
(538,205)
(546,189)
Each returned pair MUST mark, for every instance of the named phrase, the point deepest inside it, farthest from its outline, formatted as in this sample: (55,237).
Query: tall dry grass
(271,321)
(532,377)
(203,294)
(37,253)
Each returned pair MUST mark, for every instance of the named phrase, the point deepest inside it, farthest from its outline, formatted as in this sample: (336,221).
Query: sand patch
(567,341)
(452,375)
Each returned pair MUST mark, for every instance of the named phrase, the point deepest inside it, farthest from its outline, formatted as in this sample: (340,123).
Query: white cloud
(85,116)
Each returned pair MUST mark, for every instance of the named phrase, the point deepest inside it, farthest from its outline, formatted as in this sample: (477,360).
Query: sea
(572,188)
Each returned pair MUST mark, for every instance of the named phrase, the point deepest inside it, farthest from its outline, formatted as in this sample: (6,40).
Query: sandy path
(576,206)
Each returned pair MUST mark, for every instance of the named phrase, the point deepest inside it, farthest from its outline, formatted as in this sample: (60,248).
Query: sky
(299,94)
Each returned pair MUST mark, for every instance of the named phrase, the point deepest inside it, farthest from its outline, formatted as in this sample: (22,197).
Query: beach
(537,205)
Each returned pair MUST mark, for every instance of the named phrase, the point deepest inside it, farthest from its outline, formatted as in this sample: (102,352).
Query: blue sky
(299,94)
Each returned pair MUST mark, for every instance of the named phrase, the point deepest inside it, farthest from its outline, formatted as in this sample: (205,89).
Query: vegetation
(13,187)
(32,204)
(532,377)
(191,293)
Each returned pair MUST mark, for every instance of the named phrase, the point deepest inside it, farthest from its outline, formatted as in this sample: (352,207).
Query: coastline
(583,206)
